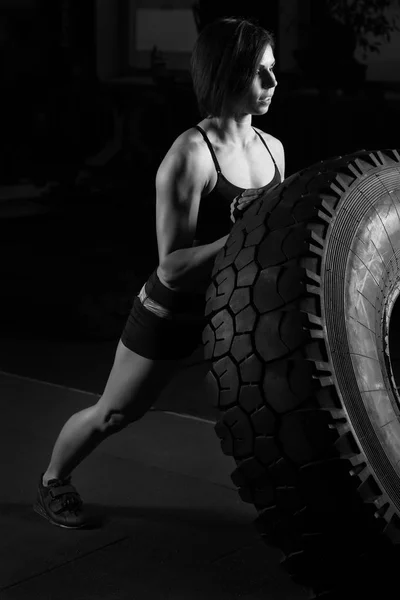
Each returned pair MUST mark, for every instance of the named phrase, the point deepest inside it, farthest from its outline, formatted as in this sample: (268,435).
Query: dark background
(77,226)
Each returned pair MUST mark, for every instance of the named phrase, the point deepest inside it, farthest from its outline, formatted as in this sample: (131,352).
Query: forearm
(187,266)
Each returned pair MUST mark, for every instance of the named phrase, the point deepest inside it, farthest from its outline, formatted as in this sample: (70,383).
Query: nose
(270,80)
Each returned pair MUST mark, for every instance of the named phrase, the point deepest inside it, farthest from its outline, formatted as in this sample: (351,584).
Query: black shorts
(173,335)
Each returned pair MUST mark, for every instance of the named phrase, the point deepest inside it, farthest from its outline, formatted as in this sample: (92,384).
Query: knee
(113,421)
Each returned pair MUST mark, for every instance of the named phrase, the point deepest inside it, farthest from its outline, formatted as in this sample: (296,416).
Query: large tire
(300,308)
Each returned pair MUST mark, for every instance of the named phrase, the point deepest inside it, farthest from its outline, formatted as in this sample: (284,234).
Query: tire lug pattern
(271,251)
(226,373)
(392,530)
(288,498)
(283,472)
(239,300)
(245,320)
(298,434)
(277,388)
(252,222)
(266,296)
(357,469)
(226,438)
(305,210)
(347,445)
(283,418)
(225,286)
(222,323)
(248,470)
(237,421)
(287,385)
(369,489)
(247,275)
(263,421)
(244,258)
(295,243)
(251,369)
(250,398)
(291,283)
(242,347)
(280,218)
(293,334)
(208,339)
(255,237)
(268,337)
(263,496)
(212,385)
(266,447)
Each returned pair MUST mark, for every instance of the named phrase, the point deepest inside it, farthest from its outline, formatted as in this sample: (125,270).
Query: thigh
(135,382)
(155,337)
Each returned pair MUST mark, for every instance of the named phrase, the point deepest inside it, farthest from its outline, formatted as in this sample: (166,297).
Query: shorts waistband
(172,300)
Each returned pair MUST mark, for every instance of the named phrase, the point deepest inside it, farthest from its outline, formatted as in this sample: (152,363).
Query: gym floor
(169,522)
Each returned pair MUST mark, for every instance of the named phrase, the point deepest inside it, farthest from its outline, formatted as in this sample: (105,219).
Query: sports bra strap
(265,144)
(203,133)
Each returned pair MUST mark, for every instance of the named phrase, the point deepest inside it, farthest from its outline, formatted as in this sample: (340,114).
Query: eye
(271,68)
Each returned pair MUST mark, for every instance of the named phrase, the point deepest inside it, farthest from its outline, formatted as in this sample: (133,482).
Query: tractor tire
(302,344)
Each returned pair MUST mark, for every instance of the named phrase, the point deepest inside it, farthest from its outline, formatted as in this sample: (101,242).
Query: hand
(242,201)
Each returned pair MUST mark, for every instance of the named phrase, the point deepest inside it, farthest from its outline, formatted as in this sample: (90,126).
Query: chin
(262,109)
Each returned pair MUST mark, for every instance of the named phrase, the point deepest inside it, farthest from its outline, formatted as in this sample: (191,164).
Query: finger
(246,202)
(252,192)
(243,206)
(248,193)
(251,198)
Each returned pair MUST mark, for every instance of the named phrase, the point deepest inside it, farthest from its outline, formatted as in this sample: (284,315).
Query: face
(259,96)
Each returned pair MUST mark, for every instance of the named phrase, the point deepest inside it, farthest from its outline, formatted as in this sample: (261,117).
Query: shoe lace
(69,500)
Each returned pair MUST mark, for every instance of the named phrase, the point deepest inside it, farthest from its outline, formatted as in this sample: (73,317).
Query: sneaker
(60,503)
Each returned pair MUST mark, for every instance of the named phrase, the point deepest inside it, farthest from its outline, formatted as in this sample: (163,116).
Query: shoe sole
(40,511)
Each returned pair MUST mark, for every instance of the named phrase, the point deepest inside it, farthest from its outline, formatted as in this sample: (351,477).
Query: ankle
(46,478)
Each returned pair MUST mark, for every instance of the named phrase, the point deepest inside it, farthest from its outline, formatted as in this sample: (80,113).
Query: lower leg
(77,439)
(132,387)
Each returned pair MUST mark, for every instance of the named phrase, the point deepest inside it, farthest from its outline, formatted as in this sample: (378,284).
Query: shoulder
(188,145)
(185,156)
(277,149)
(185,169)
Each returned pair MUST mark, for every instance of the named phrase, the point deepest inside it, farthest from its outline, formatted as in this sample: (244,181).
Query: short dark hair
(224,61)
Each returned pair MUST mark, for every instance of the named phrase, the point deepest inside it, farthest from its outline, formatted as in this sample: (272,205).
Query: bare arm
(180,180)
(186,267)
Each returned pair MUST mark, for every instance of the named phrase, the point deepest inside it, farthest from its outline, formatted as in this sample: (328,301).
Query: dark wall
(49,87)
(92,240)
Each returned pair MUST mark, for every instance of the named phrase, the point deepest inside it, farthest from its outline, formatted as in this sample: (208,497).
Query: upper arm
(180,181)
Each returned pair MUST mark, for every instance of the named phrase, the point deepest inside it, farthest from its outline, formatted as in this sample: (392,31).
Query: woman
(211,172)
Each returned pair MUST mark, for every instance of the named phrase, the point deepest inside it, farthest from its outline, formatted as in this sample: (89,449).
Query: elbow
(165,273)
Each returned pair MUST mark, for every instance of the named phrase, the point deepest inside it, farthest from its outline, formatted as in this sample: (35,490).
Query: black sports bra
(213,221)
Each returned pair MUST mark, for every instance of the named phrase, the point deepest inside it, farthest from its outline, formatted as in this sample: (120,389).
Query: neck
(235,129)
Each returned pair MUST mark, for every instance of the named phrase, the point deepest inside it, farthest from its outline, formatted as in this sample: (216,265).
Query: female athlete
(211,172)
